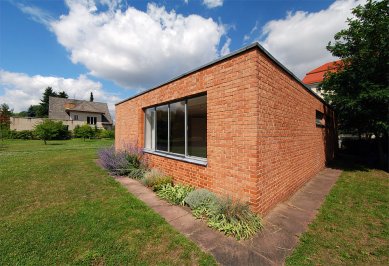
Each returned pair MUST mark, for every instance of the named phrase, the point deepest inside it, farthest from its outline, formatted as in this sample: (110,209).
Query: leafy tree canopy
(359,90)
(49,129)
(44,111)
(84,131)
(5,114)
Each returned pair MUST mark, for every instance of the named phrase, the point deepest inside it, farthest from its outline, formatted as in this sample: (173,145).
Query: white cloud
(212,3)
(226,47)
(137,49)
(37,14)
(299,40)
(22,90)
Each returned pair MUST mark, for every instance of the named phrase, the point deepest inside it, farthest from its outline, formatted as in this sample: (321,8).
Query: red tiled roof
(317,75)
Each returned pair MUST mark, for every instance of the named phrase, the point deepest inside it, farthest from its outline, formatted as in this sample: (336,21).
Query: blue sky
(118,48)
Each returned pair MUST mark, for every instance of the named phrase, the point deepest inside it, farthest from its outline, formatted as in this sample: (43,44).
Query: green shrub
(107,134)
(23,134)
(155,179)
(50,129)
(174,194)
(136,165)
(233,218)
(200,197)
(5,133)
(245,227)
(84,131)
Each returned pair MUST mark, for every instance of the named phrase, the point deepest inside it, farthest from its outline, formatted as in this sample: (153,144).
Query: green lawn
(58,207)
(352,227)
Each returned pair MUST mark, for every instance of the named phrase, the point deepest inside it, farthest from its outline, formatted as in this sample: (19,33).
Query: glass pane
(149,129)
(162,128)
(197,126)
(177,127)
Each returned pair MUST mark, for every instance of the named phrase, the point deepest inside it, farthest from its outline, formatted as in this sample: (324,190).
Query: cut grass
(58,207)
(352,226)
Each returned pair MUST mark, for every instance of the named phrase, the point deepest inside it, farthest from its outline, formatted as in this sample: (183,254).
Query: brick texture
(262,141)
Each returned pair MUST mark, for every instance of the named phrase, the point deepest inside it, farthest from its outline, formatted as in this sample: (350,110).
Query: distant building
(71,112)
(314,77)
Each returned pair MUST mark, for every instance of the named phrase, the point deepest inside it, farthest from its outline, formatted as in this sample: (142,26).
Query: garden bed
(229,216)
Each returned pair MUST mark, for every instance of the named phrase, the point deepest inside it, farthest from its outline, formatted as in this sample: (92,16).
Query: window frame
(183,157)
(321,123)
(92,120)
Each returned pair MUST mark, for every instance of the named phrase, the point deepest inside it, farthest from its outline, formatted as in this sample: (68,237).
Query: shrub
(156,179)
(174,194)
(243,228)
(23,134)
(50,129)
(129,162)
(233,218)
(115,162)
(107,134)
(84,131)
(138,164)
(199,198)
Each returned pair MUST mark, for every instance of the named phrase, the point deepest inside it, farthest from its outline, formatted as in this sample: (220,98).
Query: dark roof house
(79,110)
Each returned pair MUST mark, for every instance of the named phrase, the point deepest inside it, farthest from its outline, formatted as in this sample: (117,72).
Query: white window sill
(177,157)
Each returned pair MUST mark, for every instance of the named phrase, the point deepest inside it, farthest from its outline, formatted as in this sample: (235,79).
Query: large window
(178,128)
(91,120)
(197,126)
(150,129)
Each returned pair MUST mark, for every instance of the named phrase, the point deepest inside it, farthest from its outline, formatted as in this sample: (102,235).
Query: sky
(116,49)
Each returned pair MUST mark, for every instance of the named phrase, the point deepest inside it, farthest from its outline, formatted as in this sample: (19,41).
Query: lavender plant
(129,161)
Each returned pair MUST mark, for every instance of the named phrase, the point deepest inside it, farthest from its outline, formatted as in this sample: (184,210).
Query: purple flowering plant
(128,161)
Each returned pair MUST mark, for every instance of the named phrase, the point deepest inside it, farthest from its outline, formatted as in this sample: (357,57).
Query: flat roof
(239,51)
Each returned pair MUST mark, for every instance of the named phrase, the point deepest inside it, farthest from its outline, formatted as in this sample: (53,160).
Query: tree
(359,90)
(5,122)
(34,111)
(91,97)
(85,131)
(49,129)
(44,111)
(21,114)
(63,94)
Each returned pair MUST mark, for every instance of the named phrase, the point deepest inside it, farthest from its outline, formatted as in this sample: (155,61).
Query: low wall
(29,123)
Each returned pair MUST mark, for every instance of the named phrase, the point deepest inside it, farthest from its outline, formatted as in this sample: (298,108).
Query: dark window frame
(91,120)
(320,119)
(168,153)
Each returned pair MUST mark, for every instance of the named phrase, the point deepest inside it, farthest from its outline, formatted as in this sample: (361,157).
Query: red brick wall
(232,112)
(262,142)
(292,148)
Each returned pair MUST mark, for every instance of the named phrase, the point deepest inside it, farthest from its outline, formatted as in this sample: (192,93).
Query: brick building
(242,125)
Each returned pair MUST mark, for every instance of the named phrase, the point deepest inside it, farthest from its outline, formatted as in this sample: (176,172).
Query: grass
(58,207)
(352,227)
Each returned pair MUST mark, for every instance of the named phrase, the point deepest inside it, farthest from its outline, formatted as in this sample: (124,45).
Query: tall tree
(359,90)
(34,110)
(63,94)
(91,97)
(5,114)
(44,112)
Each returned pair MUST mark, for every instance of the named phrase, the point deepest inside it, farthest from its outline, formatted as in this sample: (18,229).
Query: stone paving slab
(282,226)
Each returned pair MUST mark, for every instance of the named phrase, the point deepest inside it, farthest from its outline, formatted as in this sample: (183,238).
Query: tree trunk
(45,142)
